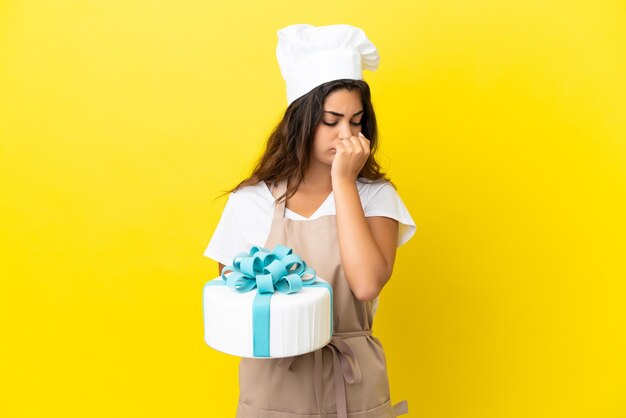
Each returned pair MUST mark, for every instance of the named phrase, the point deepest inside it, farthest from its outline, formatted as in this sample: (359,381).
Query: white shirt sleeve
(383,200)
(228,239)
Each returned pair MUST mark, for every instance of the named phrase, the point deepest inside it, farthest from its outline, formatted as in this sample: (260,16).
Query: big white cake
(299,322)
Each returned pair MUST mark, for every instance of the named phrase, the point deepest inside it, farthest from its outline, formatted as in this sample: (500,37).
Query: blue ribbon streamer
(268,271)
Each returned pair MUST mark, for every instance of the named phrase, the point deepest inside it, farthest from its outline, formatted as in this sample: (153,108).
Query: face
(341,118)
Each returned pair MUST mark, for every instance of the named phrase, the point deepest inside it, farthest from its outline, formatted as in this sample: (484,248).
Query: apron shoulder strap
(279,207)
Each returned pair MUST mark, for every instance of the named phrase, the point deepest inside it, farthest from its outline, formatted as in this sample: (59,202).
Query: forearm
(363,262)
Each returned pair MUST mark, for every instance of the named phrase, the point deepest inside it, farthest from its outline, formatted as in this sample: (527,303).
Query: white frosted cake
(299,322)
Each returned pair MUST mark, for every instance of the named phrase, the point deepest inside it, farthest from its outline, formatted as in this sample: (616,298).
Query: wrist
(342,182)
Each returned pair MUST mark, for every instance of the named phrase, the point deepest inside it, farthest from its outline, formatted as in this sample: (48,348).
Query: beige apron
(345,378)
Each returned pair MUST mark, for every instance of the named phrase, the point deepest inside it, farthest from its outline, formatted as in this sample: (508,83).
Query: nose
(344,130)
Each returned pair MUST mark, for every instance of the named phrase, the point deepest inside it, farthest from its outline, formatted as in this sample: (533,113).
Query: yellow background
(502,123)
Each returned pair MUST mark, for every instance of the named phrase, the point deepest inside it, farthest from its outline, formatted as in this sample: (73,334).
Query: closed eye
(333,124)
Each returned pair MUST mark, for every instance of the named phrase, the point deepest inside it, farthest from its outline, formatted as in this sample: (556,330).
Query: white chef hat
(312,55)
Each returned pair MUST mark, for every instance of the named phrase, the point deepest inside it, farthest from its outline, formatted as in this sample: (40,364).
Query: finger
(357,144)
(342,141)
(365,144)
(344,146)
(347,148)
(352,144)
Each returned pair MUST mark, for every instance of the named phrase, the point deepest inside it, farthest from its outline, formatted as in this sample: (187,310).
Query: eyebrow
(341,114)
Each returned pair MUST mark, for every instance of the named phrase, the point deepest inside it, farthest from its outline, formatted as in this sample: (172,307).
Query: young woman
(319,190)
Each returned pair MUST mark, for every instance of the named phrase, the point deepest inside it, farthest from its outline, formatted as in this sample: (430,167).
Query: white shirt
(247,217)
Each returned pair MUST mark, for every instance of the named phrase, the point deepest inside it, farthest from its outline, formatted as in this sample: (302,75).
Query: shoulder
(380,198)
(258,193)
(368,184)
(374,189)
(252,203)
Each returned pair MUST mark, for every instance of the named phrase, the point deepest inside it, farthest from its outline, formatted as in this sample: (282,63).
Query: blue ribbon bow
(280,269)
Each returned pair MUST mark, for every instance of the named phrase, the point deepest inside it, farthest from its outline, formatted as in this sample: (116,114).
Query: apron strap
(279,207)
(345,369)
(400,408)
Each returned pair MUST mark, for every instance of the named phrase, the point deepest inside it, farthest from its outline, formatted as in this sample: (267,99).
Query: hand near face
(350,156)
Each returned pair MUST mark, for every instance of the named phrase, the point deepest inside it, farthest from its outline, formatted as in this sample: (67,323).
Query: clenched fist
(350,156)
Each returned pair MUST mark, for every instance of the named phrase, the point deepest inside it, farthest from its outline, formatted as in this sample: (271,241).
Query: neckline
(269,192)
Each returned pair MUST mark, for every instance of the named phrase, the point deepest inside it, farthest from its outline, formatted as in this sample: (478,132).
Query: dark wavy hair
(289,145)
